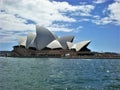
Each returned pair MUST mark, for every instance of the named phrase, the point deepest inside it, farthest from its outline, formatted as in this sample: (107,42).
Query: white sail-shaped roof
(43,37)
(80,45)
(30,39)
(70,44)
(63,41)
(33,43)
(23,43)
(22,40)
(54,45)
(46,39)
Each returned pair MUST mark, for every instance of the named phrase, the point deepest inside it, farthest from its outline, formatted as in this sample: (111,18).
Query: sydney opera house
(45,43)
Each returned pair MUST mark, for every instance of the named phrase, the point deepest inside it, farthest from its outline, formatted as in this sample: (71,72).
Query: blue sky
(95,20)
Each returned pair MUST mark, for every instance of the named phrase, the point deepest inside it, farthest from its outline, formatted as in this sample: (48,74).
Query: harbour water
(59,74)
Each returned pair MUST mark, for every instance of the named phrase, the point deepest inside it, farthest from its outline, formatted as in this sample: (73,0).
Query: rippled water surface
(59,74)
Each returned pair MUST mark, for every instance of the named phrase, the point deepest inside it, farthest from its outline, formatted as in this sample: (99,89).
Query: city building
(45,39)
(46,43)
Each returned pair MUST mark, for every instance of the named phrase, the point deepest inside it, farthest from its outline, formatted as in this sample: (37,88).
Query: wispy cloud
(99,1)
(42,12)
(102,21)
(22,15)
(115,12)
(83,10)
(112,15)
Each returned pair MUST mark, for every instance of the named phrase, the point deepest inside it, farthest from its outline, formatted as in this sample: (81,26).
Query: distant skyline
(95,20)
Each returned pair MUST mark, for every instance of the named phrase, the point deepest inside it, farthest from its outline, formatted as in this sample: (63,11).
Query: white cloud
(15,14)
(102,21)
(117,0)
(115,12)
(99,1)
(83,10)
(43,12)
(9,22)
(7,37)
(84,20)
(78,29)
(60,27)
(112,15)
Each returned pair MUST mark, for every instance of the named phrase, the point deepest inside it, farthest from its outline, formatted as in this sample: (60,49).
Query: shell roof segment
(54,45)
(46,39)
(22,40)
(30,39)
(63,41)
(78,46)
(43,37)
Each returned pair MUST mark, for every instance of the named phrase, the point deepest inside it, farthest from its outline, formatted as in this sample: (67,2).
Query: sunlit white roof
(63,41)
(22,40)
(30,39)
(23,43)
(43,37)
(80,45)
(70,45)
(54,44)
(33,43)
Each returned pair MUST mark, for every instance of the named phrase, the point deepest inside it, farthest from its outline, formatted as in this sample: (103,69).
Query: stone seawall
(23,52)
